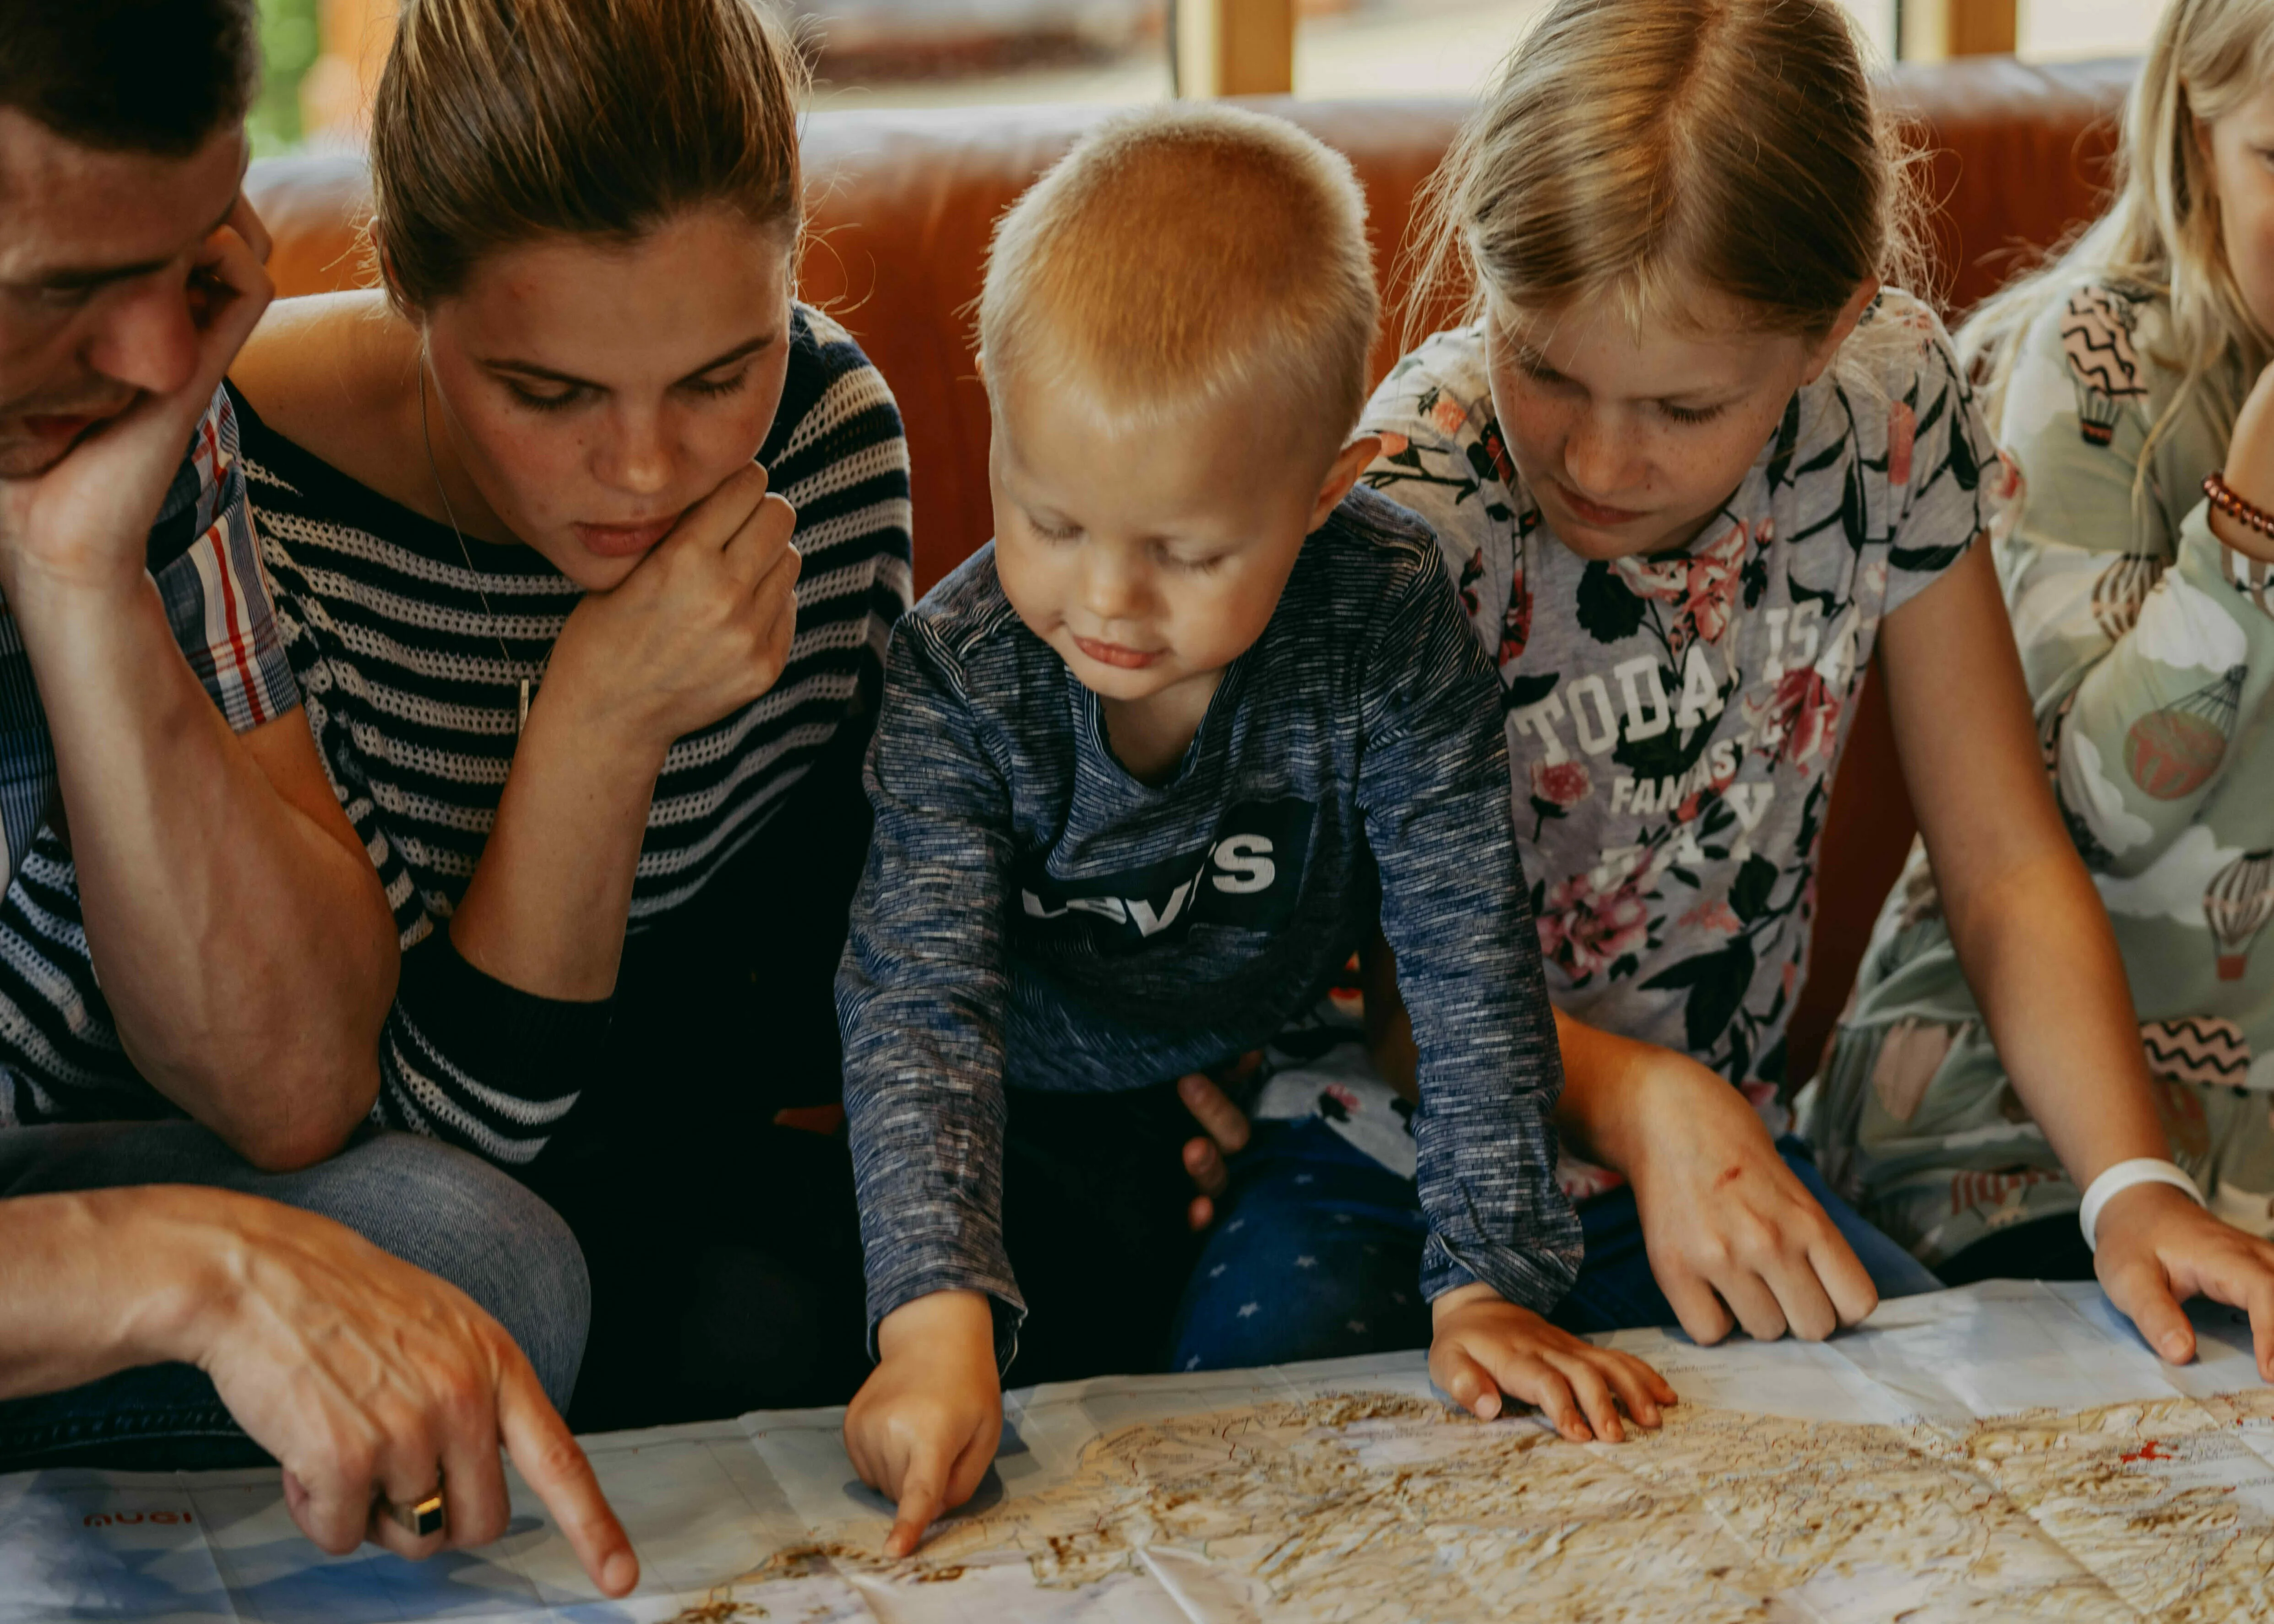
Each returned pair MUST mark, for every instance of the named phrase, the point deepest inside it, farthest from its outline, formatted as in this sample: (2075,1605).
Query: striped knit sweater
(414,707)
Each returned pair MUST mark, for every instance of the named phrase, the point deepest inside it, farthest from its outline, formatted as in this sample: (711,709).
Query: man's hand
(1729,1229)
(83,525)
(1226,1130)
(2158,1249)
(365,1376)
(924,1427)
(1485,1347)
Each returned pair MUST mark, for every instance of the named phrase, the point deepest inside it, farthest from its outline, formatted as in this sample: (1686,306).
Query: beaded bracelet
(2222,497)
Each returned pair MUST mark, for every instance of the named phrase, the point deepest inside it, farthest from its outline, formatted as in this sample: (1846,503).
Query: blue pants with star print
(1318,1257)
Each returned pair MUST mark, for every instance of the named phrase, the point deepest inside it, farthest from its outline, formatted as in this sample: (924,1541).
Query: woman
(587,537)
(2118,377)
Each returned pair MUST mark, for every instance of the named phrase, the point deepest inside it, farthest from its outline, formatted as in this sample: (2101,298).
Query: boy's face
(1152,559)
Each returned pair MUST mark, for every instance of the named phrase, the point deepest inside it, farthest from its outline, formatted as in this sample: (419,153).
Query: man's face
(97,302)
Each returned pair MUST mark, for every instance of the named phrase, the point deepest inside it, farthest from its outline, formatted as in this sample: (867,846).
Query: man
(158,782)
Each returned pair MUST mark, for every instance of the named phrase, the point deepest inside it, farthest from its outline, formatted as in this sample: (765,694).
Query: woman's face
(1631,440)
(593,392)
(2239,143)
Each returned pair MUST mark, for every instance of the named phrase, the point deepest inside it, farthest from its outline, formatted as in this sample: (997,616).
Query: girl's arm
(2035,946)
(1733,1238)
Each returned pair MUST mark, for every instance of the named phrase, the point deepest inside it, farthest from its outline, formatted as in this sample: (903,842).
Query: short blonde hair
(1635,147)
(1182,257)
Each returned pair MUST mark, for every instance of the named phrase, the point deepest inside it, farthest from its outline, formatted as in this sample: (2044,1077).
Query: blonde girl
(1693,464)
(2119,378)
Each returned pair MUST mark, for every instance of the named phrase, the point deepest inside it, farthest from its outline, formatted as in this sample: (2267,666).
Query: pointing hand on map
(924,1427)
(1485,1348)
(365,1376)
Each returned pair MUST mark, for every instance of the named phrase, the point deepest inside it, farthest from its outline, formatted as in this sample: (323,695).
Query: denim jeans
(446,1212)
(1319,1253)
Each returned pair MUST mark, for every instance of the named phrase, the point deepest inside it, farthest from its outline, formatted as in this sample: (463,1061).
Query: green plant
(289,41)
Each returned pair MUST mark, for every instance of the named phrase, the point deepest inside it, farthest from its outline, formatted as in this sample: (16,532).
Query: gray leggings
(449,1212)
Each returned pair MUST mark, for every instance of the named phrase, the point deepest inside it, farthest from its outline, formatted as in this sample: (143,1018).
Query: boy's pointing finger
(923,1496)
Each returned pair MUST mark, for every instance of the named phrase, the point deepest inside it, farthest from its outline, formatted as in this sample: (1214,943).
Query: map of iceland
(2006,1452)
(1376,1509)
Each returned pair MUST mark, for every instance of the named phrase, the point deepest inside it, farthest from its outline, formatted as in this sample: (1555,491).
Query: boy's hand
(1485,1347)
(926,1423)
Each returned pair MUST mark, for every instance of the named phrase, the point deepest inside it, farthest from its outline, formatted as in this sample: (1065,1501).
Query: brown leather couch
(903,201)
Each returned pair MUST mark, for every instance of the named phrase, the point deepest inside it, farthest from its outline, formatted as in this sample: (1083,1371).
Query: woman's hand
(1730,1230)
(2158,1249)
(1485,1347)
(1224,1130)
(700,628)
(925,1425)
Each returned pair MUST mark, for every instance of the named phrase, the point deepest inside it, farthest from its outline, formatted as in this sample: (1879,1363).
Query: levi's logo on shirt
(1246,876)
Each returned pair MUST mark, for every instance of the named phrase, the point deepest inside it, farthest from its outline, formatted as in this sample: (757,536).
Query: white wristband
(2115,1180)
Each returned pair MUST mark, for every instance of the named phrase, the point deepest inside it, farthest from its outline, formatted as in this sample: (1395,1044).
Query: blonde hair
(502,121)
(1634,148)
(2161,235)
(1186,256)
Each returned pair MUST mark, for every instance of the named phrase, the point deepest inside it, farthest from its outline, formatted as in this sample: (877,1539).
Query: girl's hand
(925,1425)
(2158,1248)
(2249,471)
(699,628)
(1729,1229)
(1485,1347)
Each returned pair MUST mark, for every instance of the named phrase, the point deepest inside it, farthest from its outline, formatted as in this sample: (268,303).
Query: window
(323,54)
(2074,30)
(1409,47)
(913,53)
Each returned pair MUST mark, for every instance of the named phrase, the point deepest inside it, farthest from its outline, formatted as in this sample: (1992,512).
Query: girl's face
(591,393)
(1631,440)
(2240,144)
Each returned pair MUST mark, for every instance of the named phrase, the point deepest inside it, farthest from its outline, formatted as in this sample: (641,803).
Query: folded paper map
(2009,1451)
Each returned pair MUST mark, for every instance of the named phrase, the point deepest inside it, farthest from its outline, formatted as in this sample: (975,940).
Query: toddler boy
(1139,763)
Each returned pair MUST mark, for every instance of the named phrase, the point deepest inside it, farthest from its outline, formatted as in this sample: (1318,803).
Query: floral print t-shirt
(1674,718)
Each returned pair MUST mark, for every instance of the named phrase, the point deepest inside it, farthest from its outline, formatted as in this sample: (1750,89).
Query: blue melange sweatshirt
(1033,916)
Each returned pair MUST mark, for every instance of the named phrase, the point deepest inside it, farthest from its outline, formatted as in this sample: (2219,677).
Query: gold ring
(426,1515)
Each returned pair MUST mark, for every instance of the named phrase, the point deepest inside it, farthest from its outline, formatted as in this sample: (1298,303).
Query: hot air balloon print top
(2149,649)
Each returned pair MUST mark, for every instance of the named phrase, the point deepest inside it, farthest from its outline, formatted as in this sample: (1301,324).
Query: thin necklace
(465,552)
